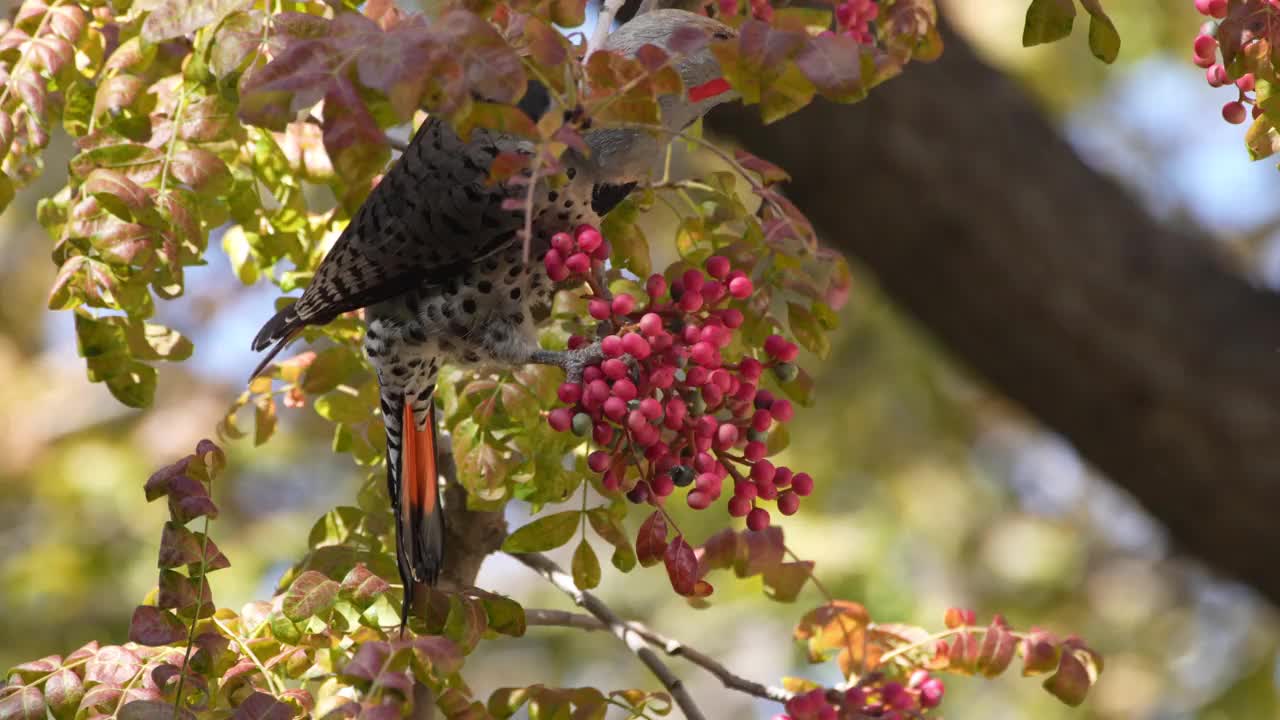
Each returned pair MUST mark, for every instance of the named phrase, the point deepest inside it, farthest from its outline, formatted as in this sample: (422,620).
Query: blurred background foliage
(933,491)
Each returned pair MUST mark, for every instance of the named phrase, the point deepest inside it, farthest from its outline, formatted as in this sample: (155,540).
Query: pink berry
(766,490)
(625,390)
(782,476)
(655,286)
(578,263)
(1245,82)
(560,419)
(692,280)
(615,408)
(636,421)
(690,302)
(562,242)
(762,471)
(733,319)
(611,346)
(931,693)
(704,353)
(598,461)
(698,500)
(662,485)
(782,410)
(651,408)
(717,266)
(750,368)
(774,345)
(745,489)
(569,393)
(1216,75)
(636,346)
(598,308)
(614,369)
(1234,112)
(788,503)
(597,391)
(739,506)
(726,435)
(802,484)
(757,519)
(741,287)
(589,238)
(754,451)
(1205,47)
(623,304)
(651,324)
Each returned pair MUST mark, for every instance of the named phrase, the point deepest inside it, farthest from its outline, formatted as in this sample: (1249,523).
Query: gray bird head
(626,154)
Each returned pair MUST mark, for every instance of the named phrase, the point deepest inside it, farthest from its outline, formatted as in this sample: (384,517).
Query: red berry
(636,346)
(612,479)
(692,280)
(802,484)
(745,489)
(560,419)
(782,410)
(1234,112)
(662,485)
(774,344)
(1245,82)
(1216,75)
(602,434)
(637,422)
(650,324)
(578,263)
(589,238)
(569,393)
(611,346)
(651,408)
(615,408)
(931,693)
(757,519)
(563,243)
(750,368)
(656,286)
(690,302)
(717,266)
(788,503)
(732,318)
(705,354)
(782,476)
(712,292)
(625,390)
(639,494)
(766,490)
(597,391)
(599,309)
(598,461)
(575,342)
(1205,47)
(698,500)
(754,451)
(762,471)
(726,436)
(614,369)
(739,506)
(741,287)
(623,304)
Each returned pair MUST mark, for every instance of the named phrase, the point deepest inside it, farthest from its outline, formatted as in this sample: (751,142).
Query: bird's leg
(573,362)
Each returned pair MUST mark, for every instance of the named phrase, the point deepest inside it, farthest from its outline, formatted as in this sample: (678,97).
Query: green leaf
(1261,138)
(546,533)
(309,595)
(808,330)
(1104,41)
(586,567)
(629,246)
(505,615)
(343,407)
(1047,21)
(6,191)
(235,242)
(135,386)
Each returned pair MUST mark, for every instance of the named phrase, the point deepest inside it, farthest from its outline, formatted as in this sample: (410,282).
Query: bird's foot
(573,362)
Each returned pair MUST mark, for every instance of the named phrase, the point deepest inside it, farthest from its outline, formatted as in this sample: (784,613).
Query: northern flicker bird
(438,263)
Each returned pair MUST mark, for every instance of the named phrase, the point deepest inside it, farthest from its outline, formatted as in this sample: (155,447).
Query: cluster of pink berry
(884,700)
(665,406)
(1205,54)
(854,17)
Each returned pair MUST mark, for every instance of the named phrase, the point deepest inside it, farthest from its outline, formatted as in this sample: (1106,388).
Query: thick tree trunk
(1134,340)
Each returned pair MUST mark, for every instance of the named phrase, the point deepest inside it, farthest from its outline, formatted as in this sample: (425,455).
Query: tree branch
(1135,340)
(673,648)
(547,568)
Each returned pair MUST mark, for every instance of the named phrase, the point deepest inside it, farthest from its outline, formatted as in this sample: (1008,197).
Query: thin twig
(673,648)
(604,20)
(547,568)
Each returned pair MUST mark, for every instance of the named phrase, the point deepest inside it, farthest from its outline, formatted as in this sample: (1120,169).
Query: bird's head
(625,154)
(672,30)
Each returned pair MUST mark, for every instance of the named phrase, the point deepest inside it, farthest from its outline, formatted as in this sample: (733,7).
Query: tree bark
(1134,340)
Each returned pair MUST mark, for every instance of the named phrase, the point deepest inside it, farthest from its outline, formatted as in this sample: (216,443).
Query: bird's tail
(413,484)
(281,329)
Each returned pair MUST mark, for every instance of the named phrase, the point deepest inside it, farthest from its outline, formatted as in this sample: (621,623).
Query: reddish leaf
(35,669)
(309,595)
(362,586)
(682,566)
(651,542)
(152,709)
(154,627)
(836,65)
(25,703)
(785,580)
(440,655)
(63,691)
(997,650)
(261,706)
(1071,682)
(112,666)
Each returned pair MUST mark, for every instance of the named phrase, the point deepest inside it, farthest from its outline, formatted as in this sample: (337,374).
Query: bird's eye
(723,35)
